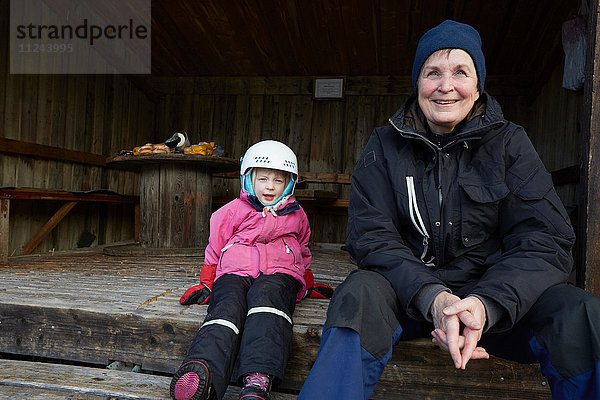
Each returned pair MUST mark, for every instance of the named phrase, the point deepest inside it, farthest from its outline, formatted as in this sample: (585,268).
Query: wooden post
(175,204)
(589,207)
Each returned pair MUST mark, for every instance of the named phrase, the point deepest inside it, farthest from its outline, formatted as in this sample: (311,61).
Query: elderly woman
(458,234)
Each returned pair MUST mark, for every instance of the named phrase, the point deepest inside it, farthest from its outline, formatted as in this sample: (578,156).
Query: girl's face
(269,184)
(447,89)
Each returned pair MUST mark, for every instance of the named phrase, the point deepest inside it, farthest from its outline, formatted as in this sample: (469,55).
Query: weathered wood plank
(299,138)
(314,177)
(82,380)
(23,392)
(46,116)
(43,194)
(420,370)
(122,332)
(149,205)
(44,227)
(4,61)
(36,380)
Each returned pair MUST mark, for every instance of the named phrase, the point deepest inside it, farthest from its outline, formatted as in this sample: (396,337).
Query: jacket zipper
(223,250)
(417,220)
(439,249)
(288,250)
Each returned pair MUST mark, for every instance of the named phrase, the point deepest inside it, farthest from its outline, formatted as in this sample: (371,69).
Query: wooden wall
(101,114)
(553,120)
(328,136)
(97,114)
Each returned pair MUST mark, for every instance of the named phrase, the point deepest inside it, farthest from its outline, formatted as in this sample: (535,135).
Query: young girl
(257,256)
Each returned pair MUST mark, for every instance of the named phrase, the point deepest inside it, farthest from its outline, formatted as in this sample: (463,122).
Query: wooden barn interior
(236,72)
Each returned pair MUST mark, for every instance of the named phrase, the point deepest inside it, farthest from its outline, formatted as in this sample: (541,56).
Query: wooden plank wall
(554,125)
(97,114)
(328,136)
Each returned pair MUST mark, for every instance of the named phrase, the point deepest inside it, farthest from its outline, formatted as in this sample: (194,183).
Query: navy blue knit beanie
(450,35)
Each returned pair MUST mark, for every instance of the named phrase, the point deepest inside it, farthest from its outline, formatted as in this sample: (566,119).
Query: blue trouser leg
(373,368)
(358,376)
(350,363)
(327,380)
(584,386)
(566,324)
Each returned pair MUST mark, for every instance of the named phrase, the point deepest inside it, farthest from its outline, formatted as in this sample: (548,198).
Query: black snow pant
(248,328)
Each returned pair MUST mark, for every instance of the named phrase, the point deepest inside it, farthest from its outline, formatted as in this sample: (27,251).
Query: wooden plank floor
(92,308)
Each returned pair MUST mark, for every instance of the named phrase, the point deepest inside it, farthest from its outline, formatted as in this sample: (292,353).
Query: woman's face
(269,184)
(447,89)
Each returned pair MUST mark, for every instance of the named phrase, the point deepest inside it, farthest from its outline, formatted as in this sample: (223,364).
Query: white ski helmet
(269,154)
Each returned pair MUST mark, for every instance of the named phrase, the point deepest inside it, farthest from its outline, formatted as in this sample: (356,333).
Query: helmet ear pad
(247,179)
(289,189)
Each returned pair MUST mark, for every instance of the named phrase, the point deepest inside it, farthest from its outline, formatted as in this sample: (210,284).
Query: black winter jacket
(492,224)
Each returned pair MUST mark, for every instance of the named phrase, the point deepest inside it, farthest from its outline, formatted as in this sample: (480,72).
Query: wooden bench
(89,308)
(70,199)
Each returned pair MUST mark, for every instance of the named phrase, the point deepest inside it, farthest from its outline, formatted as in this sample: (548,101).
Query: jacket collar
(410,121)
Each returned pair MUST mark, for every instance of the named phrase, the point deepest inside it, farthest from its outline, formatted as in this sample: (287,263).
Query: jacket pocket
(230,257)
(538,188)
(294,251)
(479,210)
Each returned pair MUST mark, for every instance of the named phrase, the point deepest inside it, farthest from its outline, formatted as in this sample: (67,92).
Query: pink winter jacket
(243,242)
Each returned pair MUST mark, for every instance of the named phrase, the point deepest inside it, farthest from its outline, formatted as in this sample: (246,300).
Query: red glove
(200,294)
(316,290)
